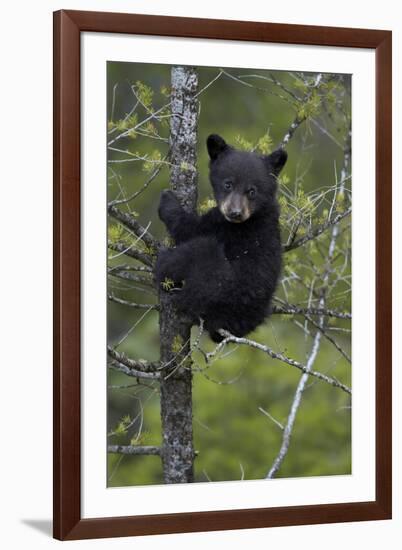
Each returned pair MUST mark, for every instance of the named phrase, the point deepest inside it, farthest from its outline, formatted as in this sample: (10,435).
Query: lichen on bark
(176,379)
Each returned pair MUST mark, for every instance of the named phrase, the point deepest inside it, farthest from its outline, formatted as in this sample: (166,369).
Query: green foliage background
(234,439)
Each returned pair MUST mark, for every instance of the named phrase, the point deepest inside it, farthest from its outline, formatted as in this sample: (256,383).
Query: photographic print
(229,202)
(203,274)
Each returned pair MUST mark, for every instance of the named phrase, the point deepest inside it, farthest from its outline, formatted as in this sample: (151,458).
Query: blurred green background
(233,437)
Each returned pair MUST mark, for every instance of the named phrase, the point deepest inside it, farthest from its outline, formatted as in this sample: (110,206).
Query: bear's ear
(216,146)
(277,160)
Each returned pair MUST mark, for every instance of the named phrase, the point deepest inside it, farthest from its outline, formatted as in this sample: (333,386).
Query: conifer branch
(131,223)
(131,252)
(315,232)
(299,119)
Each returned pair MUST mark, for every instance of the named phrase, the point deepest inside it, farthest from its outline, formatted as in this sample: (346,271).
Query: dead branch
(136,368)
(291,309)
(275,355)
(117,300)
(134,449)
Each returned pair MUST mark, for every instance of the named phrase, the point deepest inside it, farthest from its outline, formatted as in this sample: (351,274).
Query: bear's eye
(227,184)
(251,193)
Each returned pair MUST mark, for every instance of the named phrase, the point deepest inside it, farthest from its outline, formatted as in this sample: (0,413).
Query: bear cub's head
(244,183)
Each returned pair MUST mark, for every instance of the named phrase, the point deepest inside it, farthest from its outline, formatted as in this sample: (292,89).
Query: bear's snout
(235,208)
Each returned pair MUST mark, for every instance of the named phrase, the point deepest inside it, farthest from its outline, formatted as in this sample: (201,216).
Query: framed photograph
(222,269)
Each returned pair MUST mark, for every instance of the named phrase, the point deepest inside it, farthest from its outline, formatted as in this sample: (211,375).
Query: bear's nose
(235,215)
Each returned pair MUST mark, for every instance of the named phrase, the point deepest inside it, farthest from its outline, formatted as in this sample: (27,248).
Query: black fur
(226,272)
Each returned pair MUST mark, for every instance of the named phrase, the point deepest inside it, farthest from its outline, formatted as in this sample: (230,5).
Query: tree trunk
(176,381)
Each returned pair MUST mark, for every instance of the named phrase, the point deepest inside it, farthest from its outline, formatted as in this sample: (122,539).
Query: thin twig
(300,119)
(134,449)
(291,309)
(132,253)
(276,422)
(136,305)
(131,223)
(312,234)
(275,355)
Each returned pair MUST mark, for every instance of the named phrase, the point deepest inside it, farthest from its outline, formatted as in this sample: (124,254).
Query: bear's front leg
(181,225)
(170,210)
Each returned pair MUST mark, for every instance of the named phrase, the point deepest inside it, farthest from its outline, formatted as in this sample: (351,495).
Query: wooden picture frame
(68,25)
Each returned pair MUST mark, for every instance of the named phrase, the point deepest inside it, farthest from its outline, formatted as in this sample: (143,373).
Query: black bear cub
(226,264)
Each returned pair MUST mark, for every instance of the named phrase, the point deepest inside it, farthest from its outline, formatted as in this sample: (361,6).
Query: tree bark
(176,380)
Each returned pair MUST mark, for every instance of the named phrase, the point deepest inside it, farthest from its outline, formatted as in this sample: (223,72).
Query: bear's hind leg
(209,281)
(171,268)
